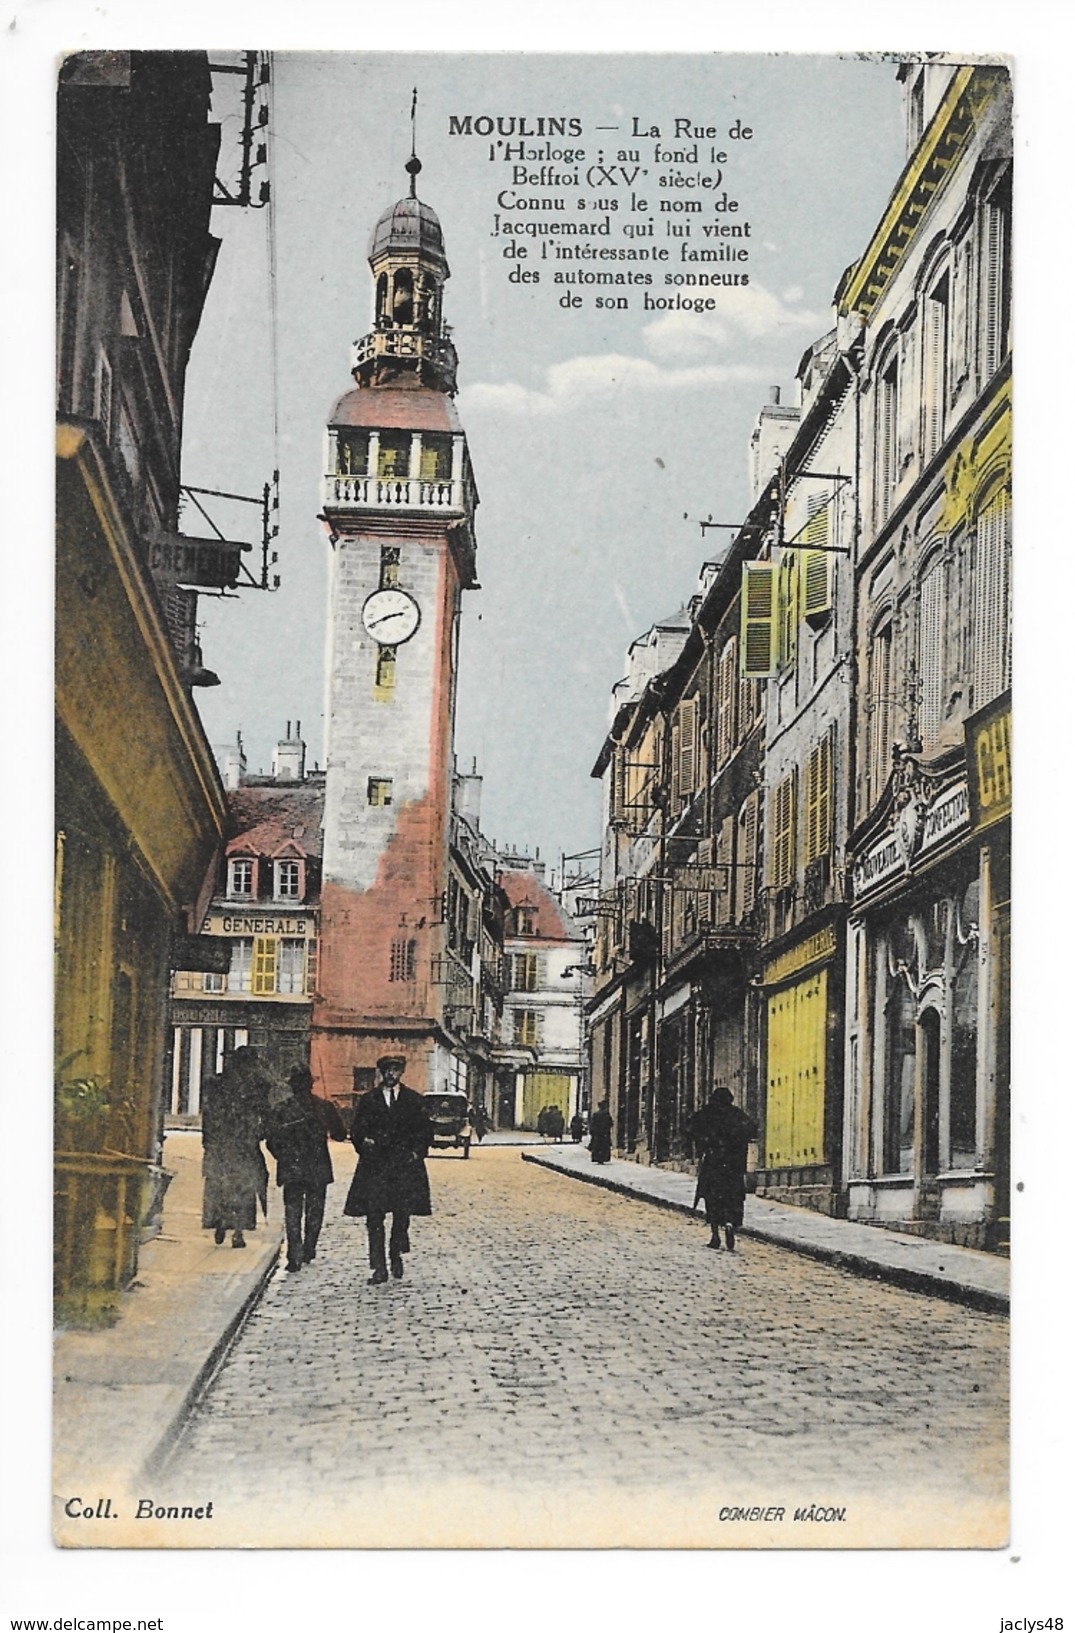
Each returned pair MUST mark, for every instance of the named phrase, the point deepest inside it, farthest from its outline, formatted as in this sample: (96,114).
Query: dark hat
(300,1077)
(723,1094)
(392,1060)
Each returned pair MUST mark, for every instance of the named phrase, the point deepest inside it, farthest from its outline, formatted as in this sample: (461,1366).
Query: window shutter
(675,778)
(933,369)
(747,858)
(726,690)
(817,591)
(789,605)
(818,837)
(725,859)
(783,852)
(688,746)
(758,620)
(991,595)
(992,290)
(264,980)
(907,403)
(932,640)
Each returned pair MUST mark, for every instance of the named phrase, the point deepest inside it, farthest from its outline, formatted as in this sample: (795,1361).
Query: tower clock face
(391,617)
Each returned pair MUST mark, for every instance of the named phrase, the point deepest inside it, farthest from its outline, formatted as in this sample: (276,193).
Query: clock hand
(384,618)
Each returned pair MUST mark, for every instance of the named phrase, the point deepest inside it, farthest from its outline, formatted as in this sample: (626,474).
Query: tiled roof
(397,408)
(271,819)
(527,890)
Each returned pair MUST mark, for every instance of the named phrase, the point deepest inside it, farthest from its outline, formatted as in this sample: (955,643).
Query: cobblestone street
(556,1337)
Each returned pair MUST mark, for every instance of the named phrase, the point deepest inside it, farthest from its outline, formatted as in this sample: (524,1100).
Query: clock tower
(398,506)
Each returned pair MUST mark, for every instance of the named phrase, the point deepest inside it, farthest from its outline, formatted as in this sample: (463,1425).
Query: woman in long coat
(601,1134)
(722,1133)
(234,1109)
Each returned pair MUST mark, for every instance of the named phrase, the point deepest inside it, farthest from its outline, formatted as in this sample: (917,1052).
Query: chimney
(774,396)
(232,762)
(289,756)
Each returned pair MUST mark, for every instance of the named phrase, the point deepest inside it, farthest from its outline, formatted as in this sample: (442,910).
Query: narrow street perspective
(553,1346)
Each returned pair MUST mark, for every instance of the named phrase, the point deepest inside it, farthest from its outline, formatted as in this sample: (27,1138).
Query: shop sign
(945,817)
(247,924)
(918,829)
(819,946)
(989,759)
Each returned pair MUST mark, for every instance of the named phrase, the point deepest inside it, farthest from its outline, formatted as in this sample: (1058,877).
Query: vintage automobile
(451,1119)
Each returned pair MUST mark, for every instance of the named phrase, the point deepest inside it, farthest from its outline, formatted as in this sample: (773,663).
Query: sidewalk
(960,1274)
(120,1395)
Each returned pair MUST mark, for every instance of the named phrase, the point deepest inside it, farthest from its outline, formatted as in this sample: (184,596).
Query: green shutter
(758,620)
(816,579)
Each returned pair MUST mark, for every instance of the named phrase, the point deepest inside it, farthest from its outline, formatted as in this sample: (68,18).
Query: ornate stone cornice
(941,147)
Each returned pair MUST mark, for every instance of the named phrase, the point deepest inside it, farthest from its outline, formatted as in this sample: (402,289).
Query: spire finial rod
(414,163)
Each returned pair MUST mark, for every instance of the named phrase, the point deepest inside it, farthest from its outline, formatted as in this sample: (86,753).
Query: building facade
(140,814)
(539,1060)
(263,927)
(805,886)
(926,1130)
(398,506)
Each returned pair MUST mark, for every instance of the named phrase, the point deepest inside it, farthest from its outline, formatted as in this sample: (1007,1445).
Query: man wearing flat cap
(392,1133)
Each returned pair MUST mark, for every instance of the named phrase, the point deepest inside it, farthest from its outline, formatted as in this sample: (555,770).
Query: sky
(599,439)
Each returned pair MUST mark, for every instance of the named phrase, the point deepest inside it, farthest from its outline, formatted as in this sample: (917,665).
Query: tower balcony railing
(405,341)
(393,493)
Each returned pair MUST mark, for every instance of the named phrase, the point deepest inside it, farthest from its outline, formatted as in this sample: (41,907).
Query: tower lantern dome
(409,343)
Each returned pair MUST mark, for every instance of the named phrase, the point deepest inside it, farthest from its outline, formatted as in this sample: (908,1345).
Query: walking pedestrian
(299,1131)
(392,1133)
(555,1124)
(577,1127)
(601,1134)
(234,1172)
(721,1134)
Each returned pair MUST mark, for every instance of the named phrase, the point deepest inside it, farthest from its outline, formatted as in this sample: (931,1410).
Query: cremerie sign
(260,924)
(989,761)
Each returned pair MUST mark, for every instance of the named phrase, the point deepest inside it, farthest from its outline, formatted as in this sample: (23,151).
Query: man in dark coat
(392,1133)
(721,1134)
(601,1134)
(299,1131)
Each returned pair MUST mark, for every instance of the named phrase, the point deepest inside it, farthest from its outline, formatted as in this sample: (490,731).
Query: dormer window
(288,881)
(526,921)
(241,876)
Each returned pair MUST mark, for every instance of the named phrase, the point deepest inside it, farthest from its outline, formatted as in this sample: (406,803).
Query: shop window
(241,876)
(963,1092)
(929,1032)
(241,968)
(288,881)
(379,791)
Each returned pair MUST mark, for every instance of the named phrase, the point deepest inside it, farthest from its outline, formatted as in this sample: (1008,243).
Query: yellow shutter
(688,746)
(264,975)
(758,620)
(789,606)
(818,835)
(816,580)
(783,822)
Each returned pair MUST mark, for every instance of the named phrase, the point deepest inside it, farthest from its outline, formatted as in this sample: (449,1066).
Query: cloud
(681,347)
(752,314)
(582,380)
